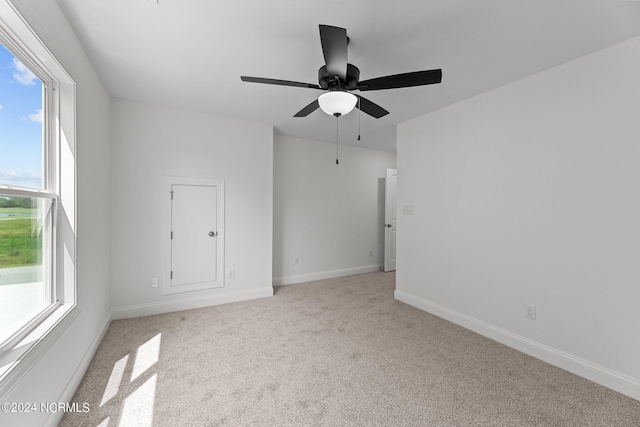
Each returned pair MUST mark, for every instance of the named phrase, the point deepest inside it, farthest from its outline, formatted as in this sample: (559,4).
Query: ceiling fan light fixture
(337,102)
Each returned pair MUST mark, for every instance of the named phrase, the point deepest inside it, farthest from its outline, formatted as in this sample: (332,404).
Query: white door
(390,216)
(196,234)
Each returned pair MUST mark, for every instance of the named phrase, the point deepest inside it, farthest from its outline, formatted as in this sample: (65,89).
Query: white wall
(55,376)
(529,194)
(150,142)
(328,216)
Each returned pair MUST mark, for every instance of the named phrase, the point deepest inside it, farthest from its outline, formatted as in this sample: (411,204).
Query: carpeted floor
(339,352)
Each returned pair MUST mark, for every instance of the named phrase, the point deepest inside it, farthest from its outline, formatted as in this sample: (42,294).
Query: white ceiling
(190,54)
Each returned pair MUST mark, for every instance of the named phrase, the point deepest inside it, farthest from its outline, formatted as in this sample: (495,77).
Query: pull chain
(337,116)
(359,114)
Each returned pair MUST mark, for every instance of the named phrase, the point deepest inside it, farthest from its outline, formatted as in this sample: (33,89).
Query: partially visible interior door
(390,216)
(196,233)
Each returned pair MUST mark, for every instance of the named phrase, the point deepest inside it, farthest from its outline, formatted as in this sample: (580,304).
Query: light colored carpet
(339,352)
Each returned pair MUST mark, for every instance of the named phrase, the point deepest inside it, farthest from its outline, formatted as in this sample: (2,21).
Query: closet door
(196,234)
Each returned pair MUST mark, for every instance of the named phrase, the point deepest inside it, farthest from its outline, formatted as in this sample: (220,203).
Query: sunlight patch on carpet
(137,410)
(146,356)
(113,385)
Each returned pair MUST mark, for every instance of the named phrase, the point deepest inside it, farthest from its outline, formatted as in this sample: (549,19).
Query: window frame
(25,347)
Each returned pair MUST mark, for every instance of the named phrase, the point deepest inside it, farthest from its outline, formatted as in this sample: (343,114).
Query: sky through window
(20,124)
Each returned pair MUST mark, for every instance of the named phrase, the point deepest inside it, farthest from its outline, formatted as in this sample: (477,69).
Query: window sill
(15,363)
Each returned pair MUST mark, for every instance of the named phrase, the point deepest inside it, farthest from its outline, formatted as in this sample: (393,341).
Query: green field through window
(20,233)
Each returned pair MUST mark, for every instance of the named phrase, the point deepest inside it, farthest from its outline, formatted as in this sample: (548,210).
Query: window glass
(21,129)
(25,224)
(26,286)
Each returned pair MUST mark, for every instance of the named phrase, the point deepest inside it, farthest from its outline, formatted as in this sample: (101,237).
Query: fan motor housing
(327,81)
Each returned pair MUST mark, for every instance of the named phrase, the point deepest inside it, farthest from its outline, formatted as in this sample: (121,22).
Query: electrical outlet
(154,282)
(530,311)
(370,252)
(231,274)
(296,261)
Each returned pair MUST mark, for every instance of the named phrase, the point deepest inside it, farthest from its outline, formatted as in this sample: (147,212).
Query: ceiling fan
(337,78)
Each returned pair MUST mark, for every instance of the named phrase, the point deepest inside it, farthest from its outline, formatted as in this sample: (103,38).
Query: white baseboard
(70,390)
(614,380)
(188,303)
(321,275)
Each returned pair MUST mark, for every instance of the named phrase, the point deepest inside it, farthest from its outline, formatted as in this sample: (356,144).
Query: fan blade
(308,109)
(417,78)
(278,82)
(334,48)
(371,108)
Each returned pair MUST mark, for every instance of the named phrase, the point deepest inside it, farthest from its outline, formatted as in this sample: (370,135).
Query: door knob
(213,233)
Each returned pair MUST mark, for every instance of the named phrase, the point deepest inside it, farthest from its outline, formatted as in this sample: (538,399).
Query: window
(27,202)
(37,197)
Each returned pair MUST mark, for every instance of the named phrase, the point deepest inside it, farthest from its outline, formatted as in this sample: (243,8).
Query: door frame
(169,181)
